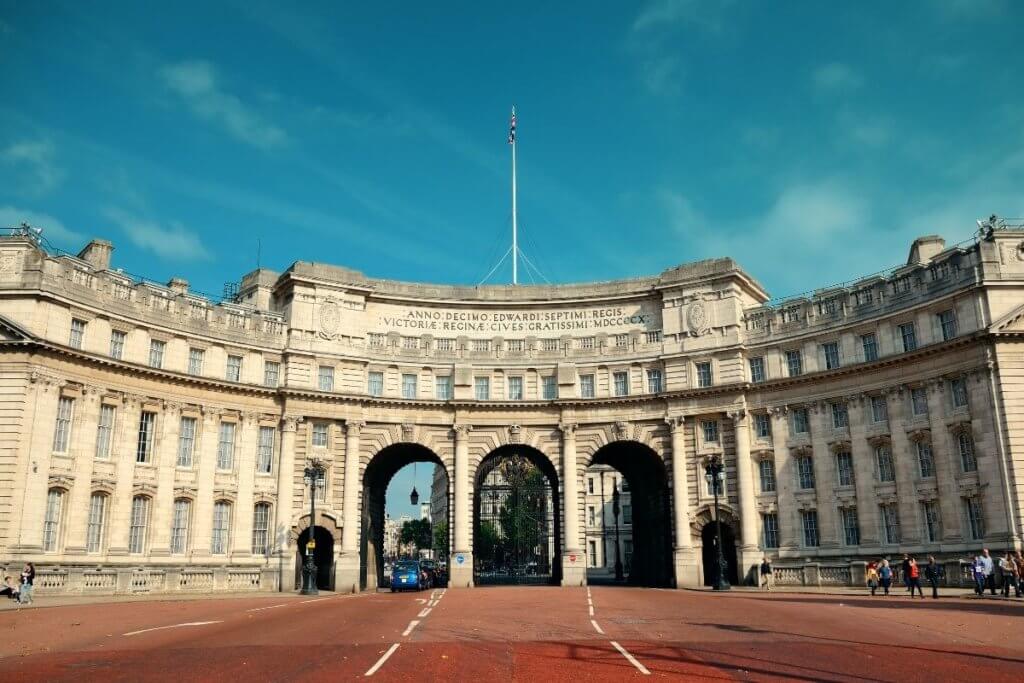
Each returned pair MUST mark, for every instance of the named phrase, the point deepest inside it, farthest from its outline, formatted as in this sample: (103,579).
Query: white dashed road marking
(424,612)
(596,627)
(380,662)
(412,625)
(632,660)
(161,628)
(257,609)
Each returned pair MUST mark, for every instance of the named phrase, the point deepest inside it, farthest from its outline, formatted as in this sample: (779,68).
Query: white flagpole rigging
(515,235)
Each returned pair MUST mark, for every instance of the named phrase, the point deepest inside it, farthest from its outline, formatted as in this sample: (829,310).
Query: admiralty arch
(152,439)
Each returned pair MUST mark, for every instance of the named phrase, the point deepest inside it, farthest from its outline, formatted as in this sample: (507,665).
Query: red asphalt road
(520,633)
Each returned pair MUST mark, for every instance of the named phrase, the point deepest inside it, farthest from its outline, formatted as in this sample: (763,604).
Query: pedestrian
(10,589)
(28,577)
(885,576)
(933,572)
(766,574)
(872,574)
(1019,559)
(978,570)
(905,573)
(1009,569)
(990,571)
(913,579)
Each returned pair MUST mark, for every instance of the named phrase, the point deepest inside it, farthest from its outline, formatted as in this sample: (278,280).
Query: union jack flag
(512,129)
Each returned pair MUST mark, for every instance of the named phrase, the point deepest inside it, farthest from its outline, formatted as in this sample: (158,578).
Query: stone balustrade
(71,580)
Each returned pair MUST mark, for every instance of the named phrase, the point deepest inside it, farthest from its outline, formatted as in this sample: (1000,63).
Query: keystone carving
(515,434)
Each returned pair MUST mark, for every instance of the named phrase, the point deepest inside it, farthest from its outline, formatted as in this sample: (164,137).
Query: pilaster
(346,576)
(461,561)
(574,563)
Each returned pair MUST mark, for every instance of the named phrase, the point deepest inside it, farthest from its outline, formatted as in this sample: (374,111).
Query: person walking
(885,576)
(28,577)
(872,575)
(766,574)
(1009,570)
(914,577)
(933,573)
(990,570)
(905,573)
(1019,559)
(978,569)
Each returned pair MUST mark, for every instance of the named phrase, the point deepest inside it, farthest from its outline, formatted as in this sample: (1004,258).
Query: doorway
(323,556)
(709,539)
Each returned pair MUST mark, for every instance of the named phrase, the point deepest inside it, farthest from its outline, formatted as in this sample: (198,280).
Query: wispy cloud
(172,242)
(37,159)
(659,14)
(198,85)
(836,77)
(54,230)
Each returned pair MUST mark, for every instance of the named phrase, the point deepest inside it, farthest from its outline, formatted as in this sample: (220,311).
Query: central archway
(516,518)
(378,474)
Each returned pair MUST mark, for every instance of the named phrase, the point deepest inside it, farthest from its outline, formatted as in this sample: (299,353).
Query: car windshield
(406,566)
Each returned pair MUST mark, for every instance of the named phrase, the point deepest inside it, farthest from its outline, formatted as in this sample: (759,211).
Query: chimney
(178,285)
(97,253)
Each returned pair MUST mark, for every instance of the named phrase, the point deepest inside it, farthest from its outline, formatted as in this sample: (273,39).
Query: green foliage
(441,539)
(417,532)
(488,542)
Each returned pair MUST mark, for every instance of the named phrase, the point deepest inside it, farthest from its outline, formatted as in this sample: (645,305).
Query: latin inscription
(440,321)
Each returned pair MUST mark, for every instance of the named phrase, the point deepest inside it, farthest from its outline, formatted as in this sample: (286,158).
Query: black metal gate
(514,535)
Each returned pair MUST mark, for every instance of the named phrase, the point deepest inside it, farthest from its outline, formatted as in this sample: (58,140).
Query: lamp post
(714,472)
(313,476)
(615,512)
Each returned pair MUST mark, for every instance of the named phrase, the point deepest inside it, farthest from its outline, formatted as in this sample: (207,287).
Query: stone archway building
(154,439)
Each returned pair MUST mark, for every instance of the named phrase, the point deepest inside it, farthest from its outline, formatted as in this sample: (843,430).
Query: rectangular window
(621,341)
(766,468)
(851,527)
(909,337)
(593,553)
(117,339)
(627,514)
(770,527)
(879,409)
(975,517)
(588,343)
(831,351)
(590,484)
(52,521)
(319,435)
(947,321)
(186,441)
(919,401)
(77,333)
(515,388)
(965,445)
(234,369)
(891,523)
(886,467)
(408,386)
(794,363)
(801,423)
(221,528)
(840,416)
(762,425)
(443,387)
(265,454)
(62,429)
(870,346)
(481,344)
(179,526)
(958,389)
(757,374)
(844,466)
(195,361)
(704,378)
(591,516)
(654,384)
(550,387)
(138,526)
(809,521)
(482,388)
(325,378)
(156,353)
(105,432)
(805,471)
(147,429)
(925,460)
(97,523)
(621,383)
(271,373)
(260,529)
(375,383)
(932,521)
(226,446)
(587,386)
(710,429)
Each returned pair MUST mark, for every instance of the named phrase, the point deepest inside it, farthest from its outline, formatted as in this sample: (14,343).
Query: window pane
(52,521)
(265,456)
(408,386)
(226,446)
(482,386)
(139,523)
(221,527)
(515,388)
(375,384)
(260,529)
(587,386)
(97,522)
(144,450)
(62,429)
(621,383)
(179,526)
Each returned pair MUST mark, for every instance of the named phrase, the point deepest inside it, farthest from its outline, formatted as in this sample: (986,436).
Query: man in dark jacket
(905,571)
(933,573)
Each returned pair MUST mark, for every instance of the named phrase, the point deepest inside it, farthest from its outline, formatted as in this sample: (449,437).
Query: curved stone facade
(155,440)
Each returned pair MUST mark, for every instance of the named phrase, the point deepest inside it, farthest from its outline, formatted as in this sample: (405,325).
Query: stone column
(37,474)
(574,565)
(748,554)
(240,538)
(284,509)
(123,450)
(206,467)
(461,562)
(77,514)
(863,453)
(826,477)
(165,458)
(945,457)
(685,561)
(346,577)
(905,463)
(790,533)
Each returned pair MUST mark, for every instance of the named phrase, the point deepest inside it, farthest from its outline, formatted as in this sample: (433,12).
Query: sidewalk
(852,591)
(63,600)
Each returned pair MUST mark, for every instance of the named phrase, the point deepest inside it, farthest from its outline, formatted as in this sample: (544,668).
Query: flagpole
(515,232)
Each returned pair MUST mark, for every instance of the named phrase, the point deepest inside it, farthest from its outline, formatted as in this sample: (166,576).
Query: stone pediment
(10,331)
(1011,322)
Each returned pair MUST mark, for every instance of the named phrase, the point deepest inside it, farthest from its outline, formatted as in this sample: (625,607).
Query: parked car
(409,575)
(433,571)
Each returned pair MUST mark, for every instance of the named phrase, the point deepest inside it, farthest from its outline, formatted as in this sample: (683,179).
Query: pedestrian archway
(643,545)
(516,518)
(323,556)
(709,555)
(378,474)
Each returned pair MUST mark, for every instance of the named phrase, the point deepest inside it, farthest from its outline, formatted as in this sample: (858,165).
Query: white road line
(380,662)
(591,610)
(424,612)
(421,600)
(257,609)
(431,603)
(412,625)
(596,627)
(313,600)
(160,628)
(632,660)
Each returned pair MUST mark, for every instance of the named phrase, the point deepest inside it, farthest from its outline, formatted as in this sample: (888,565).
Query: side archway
(707,526)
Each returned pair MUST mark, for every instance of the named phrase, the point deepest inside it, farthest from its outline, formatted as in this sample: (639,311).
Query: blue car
(408,575)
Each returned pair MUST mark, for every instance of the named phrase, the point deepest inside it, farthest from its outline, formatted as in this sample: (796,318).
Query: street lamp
(313,476)
(714,472)
(414,497)
(615,512)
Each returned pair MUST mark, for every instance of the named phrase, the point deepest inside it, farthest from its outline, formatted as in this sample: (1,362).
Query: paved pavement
(520,633)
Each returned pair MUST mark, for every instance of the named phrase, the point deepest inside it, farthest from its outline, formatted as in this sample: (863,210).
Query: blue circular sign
(459,559)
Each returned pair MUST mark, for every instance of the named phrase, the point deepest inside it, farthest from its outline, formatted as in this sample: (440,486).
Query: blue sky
(808,141)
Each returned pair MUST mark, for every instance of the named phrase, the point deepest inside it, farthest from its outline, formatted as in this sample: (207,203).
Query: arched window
(96,530)
(52,522)
(139,525)
(220,542)
(261,529)
(179,525)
